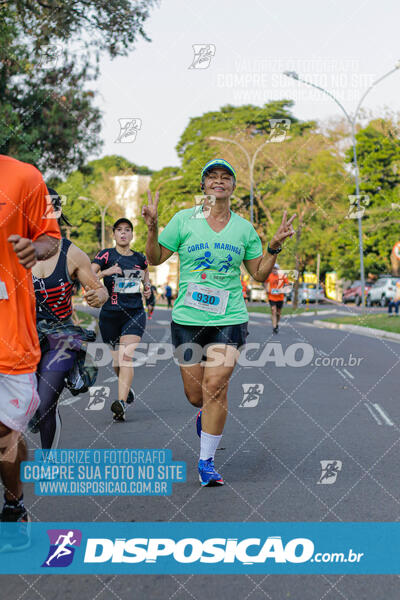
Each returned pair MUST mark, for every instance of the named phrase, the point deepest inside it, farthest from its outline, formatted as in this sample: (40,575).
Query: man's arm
(80,268)
(29,252)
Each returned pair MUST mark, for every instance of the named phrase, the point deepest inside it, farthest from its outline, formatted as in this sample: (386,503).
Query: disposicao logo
(189,550)
(62,547)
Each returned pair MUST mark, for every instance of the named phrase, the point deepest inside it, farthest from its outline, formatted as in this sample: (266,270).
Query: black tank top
(53,293)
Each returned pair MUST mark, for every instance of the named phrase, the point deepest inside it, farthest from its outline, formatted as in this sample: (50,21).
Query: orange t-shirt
(23,211)
(276,282)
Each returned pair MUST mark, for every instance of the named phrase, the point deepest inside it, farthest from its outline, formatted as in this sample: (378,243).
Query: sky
(339,45)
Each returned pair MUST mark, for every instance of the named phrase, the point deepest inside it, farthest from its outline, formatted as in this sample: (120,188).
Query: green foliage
(47,110)
(378,154)
(195,149)
(110,25)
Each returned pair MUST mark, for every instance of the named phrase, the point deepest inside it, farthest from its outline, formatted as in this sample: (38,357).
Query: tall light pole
(352,120)
(103,212)
(250,161)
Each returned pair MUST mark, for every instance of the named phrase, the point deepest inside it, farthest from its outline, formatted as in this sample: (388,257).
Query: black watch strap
(271,251)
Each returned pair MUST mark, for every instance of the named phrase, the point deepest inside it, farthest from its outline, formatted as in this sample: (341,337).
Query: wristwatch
(271,251)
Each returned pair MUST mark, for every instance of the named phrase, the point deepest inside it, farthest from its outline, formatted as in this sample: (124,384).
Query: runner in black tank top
(54,293)
(53,282)
(122,319)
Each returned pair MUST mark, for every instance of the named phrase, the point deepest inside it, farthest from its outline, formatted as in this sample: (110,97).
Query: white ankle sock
(208,445)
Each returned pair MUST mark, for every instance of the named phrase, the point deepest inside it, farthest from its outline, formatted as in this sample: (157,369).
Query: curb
(299,314)
(358,329)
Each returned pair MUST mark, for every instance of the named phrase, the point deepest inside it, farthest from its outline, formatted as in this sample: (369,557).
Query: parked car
(382,291)
(257,293)
(308,291)
(354,294)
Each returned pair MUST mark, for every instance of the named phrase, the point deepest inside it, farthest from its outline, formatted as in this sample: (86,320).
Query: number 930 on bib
(211,300)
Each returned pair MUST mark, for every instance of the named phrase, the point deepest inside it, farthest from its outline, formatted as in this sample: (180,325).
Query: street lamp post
(250,161)
(352,120)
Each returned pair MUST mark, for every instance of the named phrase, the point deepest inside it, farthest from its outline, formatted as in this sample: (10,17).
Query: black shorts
(114,324)
(277,303)
(197,337)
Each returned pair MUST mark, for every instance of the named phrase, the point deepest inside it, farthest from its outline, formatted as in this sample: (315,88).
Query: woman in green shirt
(209,318)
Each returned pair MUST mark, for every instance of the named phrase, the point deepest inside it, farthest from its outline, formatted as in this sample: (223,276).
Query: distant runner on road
(210,312)
(274,285)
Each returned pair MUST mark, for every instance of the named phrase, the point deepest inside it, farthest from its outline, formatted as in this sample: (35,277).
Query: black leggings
(51,375)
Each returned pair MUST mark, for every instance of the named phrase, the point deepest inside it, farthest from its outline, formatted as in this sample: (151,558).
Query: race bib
(211,300)
(126,286)
(276,291)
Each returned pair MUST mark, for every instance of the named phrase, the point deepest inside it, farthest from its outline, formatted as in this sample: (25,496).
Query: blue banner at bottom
(213,548)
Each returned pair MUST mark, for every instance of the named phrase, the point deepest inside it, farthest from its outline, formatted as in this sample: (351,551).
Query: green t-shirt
(211,260)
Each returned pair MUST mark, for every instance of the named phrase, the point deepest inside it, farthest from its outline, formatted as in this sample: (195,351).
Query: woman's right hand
(114,270)
(149,211)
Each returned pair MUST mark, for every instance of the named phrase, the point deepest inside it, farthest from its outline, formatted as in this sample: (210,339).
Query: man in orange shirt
(28,232)
(274,285)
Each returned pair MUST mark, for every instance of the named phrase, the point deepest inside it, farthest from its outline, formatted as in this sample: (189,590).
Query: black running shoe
(15,528)
(118,408)
(131,397)
(275,329)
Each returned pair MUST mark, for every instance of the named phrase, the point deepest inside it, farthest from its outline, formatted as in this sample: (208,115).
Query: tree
(246,124)
(195,148)
(47,111)
(87,191)
(378,153)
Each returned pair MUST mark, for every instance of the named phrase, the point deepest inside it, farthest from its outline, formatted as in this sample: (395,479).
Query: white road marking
(110,379)
(163,322)
(348,373)
(384,416)
(69,401)
(342,374)
(372,413)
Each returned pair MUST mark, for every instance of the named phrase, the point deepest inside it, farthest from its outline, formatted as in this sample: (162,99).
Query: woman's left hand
(285,230)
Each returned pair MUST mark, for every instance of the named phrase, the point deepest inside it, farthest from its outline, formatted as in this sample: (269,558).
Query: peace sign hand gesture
(285,230)
(149,211)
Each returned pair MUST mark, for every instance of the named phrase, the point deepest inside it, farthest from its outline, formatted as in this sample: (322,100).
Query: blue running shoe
(198,423)
(207,473)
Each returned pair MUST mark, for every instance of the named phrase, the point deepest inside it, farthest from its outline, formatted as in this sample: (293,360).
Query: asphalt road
(270,456)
